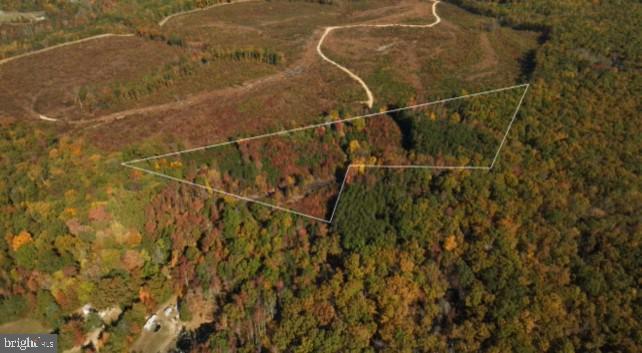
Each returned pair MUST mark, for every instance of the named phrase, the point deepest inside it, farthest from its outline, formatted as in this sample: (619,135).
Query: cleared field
(284,26)
(51,83)
(20,17)
(464,53)
(252,67)
(403,66)
(177,61)
(281,101)
(23,326)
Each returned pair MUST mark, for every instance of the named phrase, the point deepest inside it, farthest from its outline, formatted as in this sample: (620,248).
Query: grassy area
(23,326)
(224,65)
(199,52)
(464,53)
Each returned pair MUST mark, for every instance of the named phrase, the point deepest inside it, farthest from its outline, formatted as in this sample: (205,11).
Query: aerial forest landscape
(321,175)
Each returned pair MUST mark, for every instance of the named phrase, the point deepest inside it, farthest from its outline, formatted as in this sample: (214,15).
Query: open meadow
(256,67)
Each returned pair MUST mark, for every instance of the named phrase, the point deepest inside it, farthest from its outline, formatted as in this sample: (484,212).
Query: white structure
(87,309)
(152,324)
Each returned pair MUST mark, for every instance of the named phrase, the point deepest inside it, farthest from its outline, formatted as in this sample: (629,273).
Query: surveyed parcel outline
(525,86)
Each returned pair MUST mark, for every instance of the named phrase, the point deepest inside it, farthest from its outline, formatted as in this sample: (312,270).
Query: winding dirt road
(354,76)
(162,22)
(174,105)
(107,35)
(40,51)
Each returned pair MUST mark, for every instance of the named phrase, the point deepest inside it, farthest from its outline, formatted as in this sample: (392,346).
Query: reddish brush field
(463,53)
(49,83)
(222,98)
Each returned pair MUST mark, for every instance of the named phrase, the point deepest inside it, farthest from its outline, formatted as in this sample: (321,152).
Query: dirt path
(195,99)
(107,35)
(305,60)
(354,76)
(46,118)
(23,326)
(166,19)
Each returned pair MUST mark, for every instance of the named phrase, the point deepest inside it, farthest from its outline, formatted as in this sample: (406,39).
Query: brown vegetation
(50,83)
(129,98)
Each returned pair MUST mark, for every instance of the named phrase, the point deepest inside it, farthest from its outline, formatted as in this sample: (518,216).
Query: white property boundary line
(106,35)
(328,30)
(526,86)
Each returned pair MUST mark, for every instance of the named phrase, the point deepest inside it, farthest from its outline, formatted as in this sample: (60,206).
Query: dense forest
(302,170)
(543,254)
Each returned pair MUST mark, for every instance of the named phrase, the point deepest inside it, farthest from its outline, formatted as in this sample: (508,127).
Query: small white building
(87,309)
(171,312)
(152,324)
